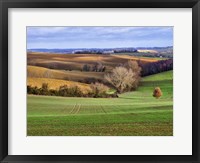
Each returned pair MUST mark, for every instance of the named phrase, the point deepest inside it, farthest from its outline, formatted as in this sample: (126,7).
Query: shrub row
(156,67)
(66,91)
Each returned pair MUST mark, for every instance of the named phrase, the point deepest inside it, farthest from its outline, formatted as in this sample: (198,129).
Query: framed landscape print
(99,81)
(109,87)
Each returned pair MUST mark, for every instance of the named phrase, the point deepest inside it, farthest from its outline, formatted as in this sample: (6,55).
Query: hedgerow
(66,91)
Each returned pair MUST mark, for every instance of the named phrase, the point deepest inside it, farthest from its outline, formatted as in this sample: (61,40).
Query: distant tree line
(125,51)
(156,67)
(97,67)
(153,55)
(88,52)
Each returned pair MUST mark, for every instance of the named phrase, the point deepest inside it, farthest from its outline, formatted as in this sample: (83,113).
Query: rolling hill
(76,61)
(135,113)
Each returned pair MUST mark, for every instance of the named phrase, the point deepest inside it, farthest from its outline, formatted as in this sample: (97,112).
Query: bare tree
(121,78)
(133,65)
(98,67)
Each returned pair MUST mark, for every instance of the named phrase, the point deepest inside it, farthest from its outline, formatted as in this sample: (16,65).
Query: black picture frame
(6,4)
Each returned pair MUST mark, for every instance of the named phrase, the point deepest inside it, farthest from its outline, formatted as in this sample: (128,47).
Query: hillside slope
(135,113)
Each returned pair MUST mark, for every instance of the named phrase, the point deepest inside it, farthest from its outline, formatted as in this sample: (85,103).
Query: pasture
(135,113)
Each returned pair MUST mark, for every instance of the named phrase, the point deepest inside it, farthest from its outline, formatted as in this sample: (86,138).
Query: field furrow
(73,109)
(103,109)
(78,109)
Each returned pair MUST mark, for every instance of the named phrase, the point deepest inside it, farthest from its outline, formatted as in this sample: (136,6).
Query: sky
(98,37)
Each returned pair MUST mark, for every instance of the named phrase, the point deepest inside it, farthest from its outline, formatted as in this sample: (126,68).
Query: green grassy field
(135,113)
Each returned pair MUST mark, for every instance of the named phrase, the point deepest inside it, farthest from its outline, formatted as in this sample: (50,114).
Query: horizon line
(109,48)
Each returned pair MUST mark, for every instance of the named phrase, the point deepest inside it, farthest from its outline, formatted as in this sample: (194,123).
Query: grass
(168,75)
(135,113)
